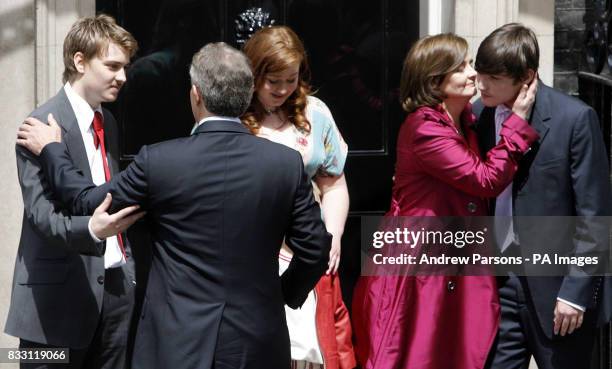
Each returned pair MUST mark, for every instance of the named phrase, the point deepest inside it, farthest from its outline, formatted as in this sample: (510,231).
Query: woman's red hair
(273,50)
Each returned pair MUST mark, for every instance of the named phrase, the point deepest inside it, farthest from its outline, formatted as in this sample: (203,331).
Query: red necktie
(98,128)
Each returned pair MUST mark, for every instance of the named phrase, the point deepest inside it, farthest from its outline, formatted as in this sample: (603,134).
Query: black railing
(596,91)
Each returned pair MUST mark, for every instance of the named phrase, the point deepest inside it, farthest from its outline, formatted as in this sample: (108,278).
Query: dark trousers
(107,350)
(520,336)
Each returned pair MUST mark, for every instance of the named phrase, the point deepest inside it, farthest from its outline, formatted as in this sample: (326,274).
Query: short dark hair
(429,60)
(511,50)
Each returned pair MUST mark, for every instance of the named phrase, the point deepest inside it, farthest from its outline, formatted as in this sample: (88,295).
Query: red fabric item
(404,322)
(98,134)
(333,325)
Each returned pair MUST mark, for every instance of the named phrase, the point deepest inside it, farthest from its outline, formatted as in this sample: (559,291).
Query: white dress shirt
(231,119)
(504,230)
(113,257)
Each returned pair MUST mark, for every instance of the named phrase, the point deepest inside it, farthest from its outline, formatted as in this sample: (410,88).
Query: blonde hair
(91,36)
(272,50)
(429,60)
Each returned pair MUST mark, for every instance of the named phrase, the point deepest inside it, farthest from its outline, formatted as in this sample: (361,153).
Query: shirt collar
(230,119)
(502,109)
(502,112)
(83,111)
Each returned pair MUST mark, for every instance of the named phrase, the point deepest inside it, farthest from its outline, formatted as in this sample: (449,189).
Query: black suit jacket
(220,203)
(565,174)
(57,292)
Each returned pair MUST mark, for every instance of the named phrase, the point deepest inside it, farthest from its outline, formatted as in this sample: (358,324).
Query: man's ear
(531,74)
(79,61)
(195,94)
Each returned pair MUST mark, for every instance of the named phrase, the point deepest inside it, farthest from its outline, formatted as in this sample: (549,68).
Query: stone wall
(17,95)
(571,17)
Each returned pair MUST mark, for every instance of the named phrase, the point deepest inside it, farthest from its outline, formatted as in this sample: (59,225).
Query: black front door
(355,49)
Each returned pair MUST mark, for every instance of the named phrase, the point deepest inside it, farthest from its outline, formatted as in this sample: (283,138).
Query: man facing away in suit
(553,318)
(70,289)
(220,203)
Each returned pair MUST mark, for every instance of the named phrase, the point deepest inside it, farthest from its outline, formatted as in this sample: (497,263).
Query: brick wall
(571,18)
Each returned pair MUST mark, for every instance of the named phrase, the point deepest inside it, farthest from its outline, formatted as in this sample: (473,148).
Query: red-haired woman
(283,111)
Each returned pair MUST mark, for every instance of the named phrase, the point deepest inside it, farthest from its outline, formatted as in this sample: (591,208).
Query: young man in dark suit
(566,173)
(220,203)
(71,288)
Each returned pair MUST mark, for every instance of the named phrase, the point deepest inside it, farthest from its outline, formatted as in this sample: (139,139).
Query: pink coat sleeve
(444,154)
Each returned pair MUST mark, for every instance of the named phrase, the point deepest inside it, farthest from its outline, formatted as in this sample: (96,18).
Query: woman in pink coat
(439,322)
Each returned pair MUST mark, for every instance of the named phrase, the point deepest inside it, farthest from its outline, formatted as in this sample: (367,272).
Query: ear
(195,94)
(79,62)
(531,74)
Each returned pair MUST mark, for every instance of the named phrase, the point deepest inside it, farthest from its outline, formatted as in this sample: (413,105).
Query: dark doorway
(355,47)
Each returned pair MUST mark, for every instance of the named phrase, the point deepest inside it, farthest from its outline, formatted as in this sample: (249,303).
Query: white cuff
(575,306)
(96,239)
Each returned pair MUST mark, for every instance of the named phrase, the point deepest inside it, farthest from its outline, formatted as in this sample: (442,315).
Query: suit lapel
(111,139)
(539,120)
(72,135)
(541,113)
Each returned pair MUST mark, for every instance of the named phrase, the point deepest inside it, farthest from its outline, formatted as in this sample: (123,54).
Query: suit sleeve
(591,188)
(73,189)
(308,239)
(443,153)
(46,215)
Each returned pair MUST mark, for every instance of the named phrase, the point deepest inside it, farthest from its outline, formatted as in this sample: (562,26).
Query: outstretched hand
(34,135)
(526,98)
(104,225)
